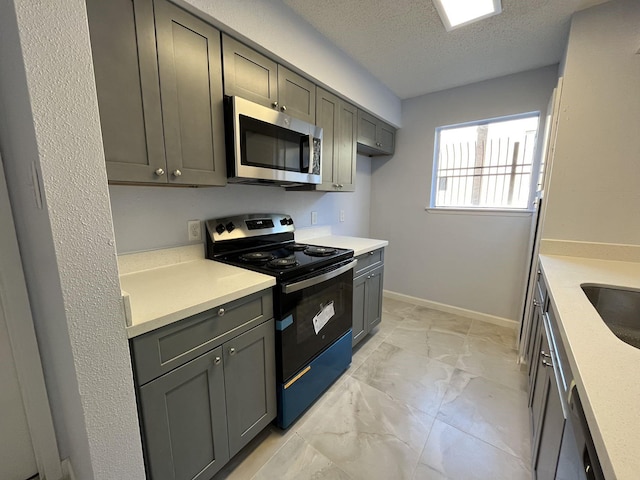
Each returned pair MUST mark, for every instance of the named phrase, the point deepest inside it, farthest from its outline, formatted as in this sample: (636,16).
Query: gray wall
(147,218)
(470,261)
(49,122)
(594,193)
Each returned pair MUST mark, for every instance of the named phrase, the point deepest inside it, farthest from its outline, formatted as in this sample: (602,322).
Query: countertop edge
(359,245)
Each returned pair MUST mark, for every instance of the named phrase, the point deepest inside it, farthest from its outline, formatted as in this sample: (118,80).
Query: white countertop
(605,368)
(357,244)
(160,296)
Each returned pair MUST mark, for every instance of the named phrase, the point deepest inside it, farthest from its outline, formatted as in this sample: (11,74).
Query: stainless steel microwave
(265,146)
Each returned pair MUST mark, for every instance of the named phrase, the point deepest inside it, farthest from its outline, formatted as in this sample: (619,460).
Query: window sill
(496,212)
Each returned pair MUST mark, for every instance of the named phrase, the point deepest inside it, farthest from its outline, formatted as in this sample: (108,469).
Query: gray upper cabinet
(249,74)
(338,120)
(375,137)
(159,86)
(253,76)
(123,43)
(191,89)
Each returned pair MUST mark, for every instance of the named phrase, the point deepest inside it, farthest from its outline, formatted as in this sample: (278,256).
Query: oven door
(312,313)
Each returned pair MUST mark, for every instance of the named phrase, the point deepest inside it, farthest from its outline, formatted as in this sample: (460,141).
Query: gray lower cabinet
(206,387)
(253,76)
(338,120)
(375,137)
(367,294)
(547,415)
(159,86)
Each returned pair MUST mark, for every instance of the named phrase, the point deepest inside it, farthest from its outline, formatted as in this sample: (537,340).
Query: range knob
(220,228)
(230,227)
(283,221)
(290,221)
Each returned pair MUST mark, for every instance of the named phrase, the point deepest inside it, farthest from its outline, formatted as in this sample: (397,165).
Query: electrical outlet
(342,215)
(194,230)
(314,218)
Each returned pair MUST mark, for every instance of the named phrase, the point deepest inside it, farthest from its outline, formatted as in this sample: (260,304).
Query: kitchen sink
(619,308)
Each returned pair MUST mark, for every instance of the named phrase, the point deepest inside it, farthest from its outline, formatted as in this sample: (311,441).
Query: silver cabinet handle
(221,312)
(232,351)
(283,108)
(274,104)
(340,185)
(159,172)
(547,364)
(544,354)
(535,303)
(216,361)
(177,173)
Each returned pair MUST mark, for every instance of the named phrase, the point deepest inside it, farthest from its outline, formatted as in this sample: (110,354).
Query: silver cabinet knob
(221,312)
(232,351)
(547,364)
(535,303)
(371,253)
(216,361)
(177,173)
(373,275)
(283,108)
(368,276)
(159,172)
(340,185)
(274,104)
(544,354)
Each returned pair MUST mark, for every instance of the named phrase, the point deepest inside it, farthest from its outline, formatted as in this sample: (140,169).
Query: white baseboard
(67,470)
(484,317)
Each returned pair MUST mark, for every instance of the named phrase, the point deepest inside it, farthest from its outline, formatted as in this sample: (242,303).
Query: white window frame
(535,170)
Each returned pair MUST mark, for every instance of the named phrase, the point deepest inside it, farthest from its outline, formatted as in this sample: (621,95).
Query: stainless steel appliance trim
(241,106)
(310,282)
(241,231)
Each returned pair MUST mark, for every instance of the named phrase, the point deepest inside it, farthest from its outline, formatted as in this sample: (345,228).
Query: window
(486,165)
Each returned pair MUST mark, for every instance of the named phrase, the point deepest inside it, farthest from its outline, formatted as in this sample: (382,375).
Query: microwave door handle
(310,166)
(310,282)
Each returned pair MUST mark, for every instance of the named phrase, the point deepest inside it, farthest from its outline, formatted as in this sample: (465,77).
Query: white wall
(594,193)
(475,262)
(49,120)
(271,26)
(147,218)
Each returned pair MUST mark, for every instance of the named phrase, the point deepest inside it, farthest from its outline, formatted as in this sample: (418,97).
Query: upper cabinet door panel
(327,109)
(346,148)
(387,138)
(367,129)
(297,95)
(123,44)
(248,74)
(191,88)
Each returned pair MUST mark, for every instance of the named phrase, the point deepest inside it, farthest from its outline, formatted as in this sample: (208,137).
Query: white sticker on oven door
(321,319)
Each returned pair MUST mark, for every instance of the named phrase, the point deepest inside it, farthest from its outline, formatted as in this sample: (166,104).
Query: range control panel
(243,226)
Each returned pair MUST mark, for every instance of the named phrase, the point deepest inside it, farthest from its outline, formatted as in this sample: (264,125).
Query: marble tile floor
(428,395)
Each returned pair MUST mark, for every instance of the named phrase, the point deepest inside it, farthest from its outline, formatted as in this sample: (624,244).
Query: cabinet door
(123,43)
(367,125)
(550,435)
(538,393)
(386,138)
(250,380)
(346,147)
(296,95)
(327,113)
(359,308)
(184,420)
(191,88)
(248,74)
(374,298)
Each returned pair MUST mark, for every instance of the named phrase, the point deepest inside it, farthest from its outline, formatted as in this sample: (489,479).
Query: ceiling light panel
(457,13)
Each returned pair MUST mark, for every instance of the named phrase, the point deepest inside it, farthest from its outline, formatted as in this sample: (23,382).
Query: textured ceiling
(404,44)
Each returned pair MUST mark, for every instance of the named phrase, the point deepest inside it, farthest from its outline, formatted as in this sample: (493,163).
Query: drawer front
(162,350)
(369,260)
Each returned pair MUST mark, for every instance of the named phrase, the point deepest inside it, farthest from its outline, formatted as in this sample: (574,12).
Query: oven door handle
(310,282)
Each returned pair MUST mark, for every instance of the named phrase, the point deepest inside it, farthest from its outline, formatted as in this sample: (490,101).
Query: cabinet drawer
(162,350)
(368,260)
